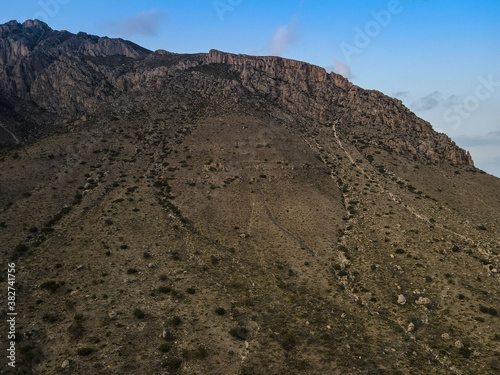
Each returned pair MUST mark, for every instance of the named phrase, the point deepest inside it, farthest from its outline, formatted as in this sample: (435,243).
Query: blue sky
(441,58)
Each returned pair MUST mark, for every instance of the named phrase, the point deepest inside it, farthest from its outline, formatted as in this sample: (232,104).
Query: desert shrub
(220,310)
(78,317)
(164,347)
(241,333)
(488,310)
(30,353)
(51,318)
(191,290)
(139,314)
(172,363)
(465,351)
(51,285)
(83,352)
(289,341)
(75,330)
(201,352)
(169,335)
(131,271)
(164,289)
(21,248)
(177,294)
(176,320)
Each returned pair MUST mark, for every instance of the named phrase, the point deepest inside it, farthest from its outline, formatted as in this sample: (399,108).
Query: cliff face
(67,75)
(53,69)
(306,89)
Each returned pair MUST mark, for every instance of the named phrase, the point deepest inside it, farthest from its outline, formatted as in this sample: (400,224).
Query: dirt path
(11,134)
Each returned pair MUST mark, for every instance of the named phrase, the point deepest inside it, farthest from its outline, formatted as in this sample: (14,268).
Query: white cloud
(400,94)
(495,133)
(342,69)
(428,102)
(283,38)
(484,149)
(145,23)
(433,100)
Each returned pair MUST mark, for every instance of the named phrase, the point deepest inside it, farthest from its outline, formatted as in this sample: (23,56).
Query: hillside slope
(230,214)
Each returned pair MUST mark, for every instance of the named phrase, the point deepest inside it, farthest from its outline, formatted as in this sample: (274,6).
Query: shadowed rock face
(223,214)
(65,74)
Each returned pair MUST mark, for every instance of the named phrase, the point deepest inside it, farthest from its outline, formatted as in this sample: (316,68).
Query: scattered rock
(112,315)
(65,364)
(80,267)
(445,336)
(459,344)
(401,299)
(423,301)
(411,327)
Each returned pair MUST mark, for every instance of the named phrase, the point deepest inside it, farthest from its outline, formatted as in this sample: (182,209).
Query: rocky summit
(216,213)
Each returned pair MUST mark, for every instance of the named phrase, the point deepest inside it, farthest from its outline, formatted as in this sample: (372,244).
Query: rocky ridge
(63,74)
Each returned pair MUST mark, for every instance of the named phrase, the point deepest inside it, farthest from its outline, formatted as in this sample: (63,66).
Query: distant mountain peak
(14,25)
(35,23)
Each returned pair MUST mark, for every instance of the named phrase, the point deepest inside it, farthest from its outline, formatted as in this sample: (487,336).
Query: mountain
(233,214)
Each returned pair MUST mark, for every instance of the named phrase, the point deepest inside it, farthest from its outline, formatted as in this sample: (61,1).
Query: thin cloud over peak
(340,68)
(282,39)
(145,23)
